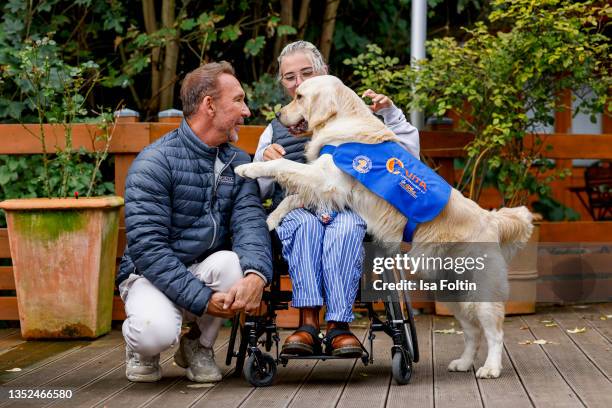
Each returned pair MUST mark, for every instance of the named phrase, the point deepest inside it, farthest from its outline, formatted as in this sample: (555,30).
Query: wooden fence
(441,146)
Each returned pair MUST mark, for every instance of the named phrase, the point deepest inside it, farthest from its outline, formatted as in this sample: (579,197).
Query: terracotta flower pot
(522,277)
(64,255)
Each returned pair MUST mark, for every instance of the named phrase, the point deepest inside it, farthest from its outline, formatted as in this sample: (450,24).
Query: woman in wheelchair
(324,251)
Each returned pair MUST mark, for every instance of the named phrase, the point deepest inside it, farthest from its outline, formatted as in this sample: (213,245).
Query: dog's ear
(323,106)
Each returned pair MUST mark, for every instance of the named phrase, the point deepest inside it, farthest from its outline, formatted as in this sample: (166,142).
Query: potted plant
(503,82)
(63,246)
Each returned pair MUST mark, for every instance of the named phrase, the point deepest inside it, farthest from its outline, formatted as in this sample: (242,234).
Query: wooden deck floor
(573,370)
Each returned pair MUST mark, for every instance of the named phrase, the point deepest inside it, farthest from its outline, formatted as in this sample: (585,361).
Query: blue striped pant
(325,260)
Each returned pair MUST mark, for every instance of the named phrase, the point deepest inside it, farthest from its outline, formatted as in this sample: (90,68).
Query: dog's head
(316,101)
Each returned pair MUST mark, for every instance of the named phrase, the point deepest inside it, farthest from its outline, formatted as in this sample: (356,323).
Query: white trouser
(153,322)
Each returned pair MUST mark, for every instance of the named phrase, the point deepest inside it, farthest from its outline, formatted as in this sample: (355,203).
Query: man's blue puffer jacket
(175,215)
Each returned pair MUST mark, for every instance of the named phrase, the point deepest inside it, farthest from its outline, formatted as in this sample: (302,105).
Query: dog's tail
(514,225)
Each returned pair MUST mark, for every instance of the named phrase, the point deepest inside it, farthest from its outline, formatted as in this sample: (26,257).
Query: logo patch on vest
(410,182)
(226,180)
(362,164)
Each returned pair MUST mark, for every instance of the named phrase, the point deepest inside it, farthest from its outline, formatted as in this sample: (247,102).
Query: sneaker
(141,369)
(199,361)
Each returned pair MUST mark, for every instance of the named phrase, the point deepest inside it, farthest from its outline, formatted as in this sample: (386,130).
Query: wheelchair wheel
(401,311)
(260,372)
(401,368)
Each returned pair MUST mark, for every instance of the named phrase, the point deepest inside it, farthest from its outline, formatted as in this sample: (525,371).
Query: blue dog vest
(394,175)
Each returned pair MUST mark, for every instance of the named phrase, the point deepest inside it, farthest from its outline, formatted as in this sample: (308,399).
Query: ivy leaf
(254,45)
(14,109)
(188,24)
(230,33)
(285,30)
(5,175)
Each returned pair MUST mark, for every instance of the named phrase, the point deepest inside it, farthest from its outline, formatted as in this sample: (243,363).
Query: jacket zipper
(212,200)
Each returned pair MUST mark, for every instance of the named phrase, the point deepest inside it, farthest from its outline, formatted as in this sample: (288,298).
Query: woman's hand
(273,152)
(379,101)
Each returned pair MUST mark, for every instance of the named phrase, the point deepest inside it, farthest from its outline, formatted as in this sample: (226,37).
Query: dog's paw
(488,372)
(246,170)
(275,218)
(273,222)
(460,365)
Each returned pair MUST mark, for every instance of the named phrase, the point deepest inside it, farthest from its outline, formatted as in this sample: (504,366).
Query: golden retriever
(334,114)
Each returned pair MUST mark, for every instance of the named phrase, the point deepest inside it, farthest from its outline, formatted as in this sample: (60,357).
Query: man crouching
(197,242)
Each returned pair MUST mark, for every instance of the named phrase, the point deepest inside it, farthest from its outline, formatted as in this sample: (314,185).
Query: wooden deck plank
(574,372)
(602,326)
(31,353)
(368,386)
(139,394)
(505,391)
(75,380)
(111,383)
(289,381)
(328,379)
(592,343)
(67,362)
(179,394)
(546,387)
(594,316)
(88,373)
(230,393)
(74,361)
(236,391)
(8,332)
(584,378)
(420,389)
(10,341)
(452,389)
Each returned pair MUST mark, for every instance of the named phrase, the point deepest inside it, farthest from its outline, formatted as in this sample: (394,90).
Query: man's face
(230,109)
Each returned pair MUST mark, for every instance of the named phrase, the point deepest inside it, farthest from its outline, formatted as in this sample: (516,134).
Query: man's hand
(215,306)
(273,152)
(379,101)
(245,294)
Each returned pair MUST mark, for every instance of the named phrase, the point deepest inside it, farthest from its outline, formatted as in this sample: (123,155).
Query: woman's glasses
(291,77)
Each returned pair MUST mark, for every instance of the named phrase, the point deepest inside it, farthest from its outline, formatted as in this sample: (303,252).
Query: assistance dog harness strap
(394,175)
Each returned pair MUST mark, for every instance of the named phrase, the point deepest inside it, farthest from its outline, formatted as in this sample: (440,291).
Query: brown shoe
(341,342)
(306,340)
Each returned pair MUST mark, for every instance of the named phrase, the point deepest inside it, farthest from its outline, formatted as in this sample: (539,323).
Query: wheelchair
(251,334)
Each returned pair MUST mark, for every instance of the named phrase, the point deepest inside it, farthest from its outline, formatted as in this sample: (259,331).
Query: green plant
(56,92)
(552,210)
(384,74)
(504,82)
(265,97)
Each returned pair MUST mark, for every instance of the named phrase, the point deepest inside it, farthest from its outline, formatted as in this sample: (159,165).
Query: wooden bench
(441,146)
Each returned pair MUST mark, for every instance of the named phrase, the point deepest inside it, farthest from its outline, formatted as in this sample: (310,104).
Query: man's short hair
(202,82)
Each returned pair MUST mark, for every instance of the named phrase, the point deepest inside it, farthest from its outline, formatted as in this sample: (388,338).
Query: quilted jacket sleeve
(147,220)
(250,236)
